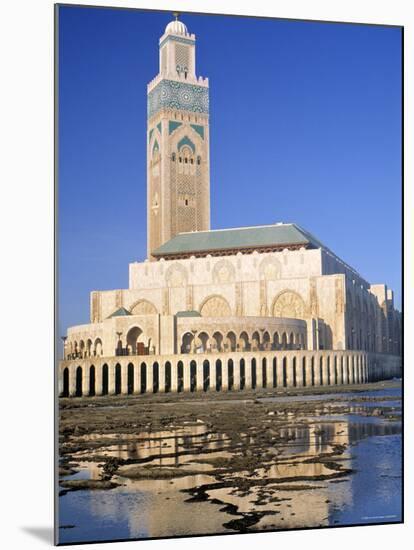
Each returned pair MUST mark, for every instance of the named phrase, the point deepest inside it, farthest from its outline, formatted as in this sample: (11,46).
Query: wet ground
(168,465)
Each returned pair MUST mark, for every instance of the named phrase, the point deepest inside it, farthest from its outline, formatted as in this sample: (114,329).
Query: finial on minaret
(176,14)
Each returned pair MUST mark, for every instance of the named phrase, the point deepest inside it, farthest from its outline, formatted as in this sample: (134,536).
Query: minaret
(178,166)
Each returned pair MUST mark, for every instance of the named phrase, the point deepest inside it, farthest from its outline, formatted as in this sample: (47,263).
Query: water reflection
(299,484)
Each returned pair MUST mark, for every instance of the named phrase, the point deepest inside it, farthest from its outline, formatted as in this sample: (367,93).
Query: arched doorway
(180,377)
(264,372)
(284,372)
(219,375)
(105,380)
(78,382)
(167,377)
(133,337)
(117,379)
(130,381)
(65,389)
(254,373)
(242,374)
(193,376)
(275,372)
(92,381)
(206,375)
(143,373)
(230,374)
(155,377)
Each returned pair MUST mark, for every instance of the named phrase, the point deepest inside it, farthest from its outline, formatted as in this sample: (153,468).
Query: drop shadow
(42,533)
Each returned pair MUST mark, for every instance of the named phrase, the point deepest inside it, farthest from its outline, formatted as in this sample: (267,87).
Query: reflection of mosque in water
(158,508)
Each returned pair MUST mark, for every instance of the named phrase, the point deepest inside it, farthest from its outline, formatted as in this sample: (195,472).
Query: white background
(26,285)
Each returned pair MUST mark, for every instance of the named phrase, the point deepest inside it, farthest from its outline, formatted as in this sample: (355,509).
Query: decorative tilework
(199,129)
(181,96)
(178,39)
(186,141)
(173,125)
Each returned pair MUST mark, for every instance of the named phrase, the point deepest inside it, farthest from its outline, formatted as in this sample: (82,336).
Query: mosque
(219,310)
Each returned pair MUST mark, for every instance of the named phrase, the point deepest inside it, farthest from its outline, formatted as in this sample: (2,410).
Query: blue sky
(305,127)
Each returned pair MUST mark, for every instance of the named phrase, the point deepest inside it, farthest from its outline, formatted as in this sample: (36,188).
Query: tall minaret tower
(178,166)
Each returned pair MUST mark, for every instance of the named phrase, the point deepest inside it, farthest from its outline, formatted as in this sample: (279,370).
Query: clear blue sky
(305,127)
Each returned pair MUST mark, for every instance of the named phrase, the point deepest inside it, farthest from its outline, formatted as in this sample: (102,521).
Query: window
(198,160)
(173,157)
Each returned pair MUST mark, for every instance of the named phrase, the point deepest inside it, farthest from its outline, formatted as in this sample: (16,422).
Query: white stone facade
(276,299)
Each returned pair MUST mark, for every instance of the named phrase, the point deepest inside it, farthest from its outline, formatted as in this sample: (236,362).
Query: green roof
(242,237)
(188,314)
(121,312)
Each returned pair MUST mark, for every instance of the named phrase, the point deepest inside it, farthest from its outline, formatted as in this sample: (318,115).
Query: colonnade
(215,372)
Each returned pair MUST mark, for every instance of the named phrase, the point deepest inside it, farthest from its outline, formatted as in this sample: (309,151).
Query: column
(224,375)
(60,380)
(98,379)
(186,375)
(325,371)
(248,373)
(72,380)
(309,371)
(317,370)
(279,372)
(200,377)
(85,380)
(213,376)
(299,371)
(137,378)
(161,377)
(111,379)
(352,369)
(346,369)
(124,379)
(174,377)
(289,372)
(236,374)
(269,371)
(150,378)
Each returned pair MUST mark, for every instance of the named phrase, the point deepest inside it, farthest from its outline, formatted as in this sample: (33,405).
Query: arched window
(173,157)
(198,160)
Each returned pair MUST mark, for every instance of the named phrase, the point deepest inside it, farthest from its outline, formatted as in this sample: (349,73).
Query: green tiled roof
(242,237)
(188,314)
(121,312)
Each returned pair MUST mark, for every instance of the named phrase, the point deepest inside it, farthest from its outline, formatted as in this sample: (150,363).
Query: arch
(204,338)
(284,372)
(206,375)
(284,343)
(92,380)
(266,341)
(321,379)
(223,272)
(130,379)
(97,347)
(242,374)
(215,306)
(230,374)
(180,377)
(304,380)
(219,375)
(231,343)
(176,275)
(118,376)
(218,341)
(143,376)
(275,381)
(155,377)
(134,336)
(168,377)
(264,372)
(193,376)
(276,341)
(312,380)
(105,380)
(244,343)
(143,307)
(255,340)
(89,347)
(187,342)
(78,390)
(294,381)
(290,304)
(82,348)
(65,389)
(254,373)
(270,269)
